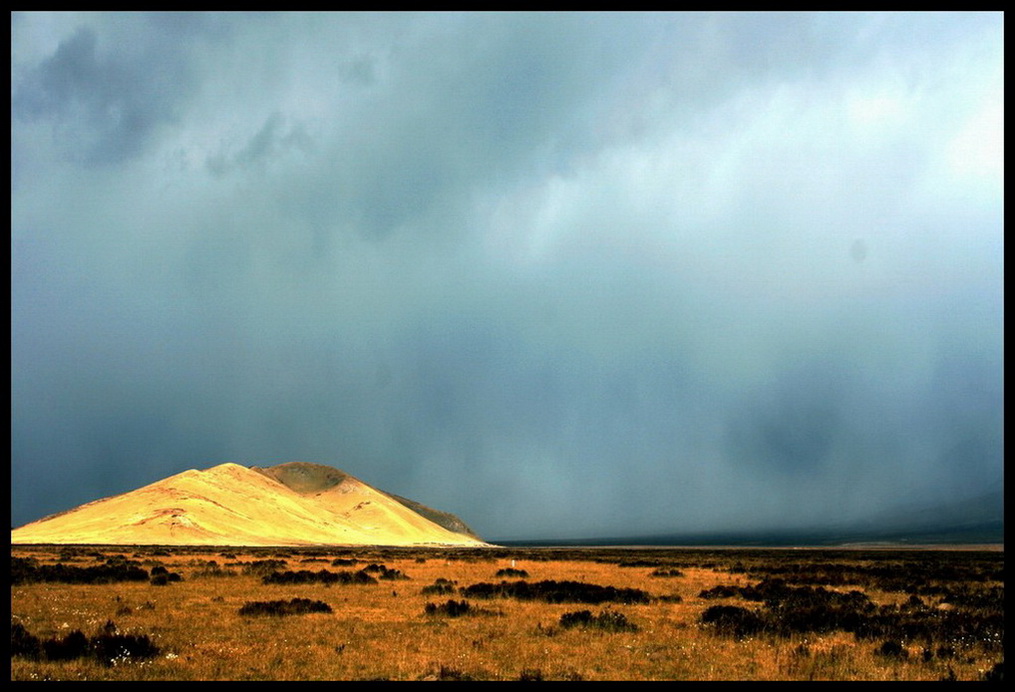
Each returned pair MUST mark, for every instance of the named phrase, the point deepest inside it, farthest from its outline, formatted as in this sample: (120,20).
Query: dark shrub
(720,591)
(733,620)
(105,647)
(391,574)
(451,609)
(343,562)
(892,649)
(666,573)
(264,567)
(164,576)
(557,592)
(321,577)
(531,675)
(116,569)
(295,606)
(640,563)
(74,645)
(915,602)
(440,587)
(446,673)
(512,572)
(769,590)
(607,620)
(578,618)
(23,643)
(108,647)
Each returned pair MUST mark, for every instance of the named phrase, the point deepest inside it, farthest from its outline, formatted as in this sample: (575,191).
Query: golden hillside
(290,504)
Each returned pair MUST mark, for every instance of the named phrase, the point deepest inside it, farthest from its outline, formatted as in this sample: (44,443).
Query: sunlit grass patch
(372,635)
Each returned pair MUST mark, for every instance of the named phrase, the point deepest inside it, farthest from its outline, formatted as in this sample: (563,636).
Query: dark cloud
(568,274)
(790,426)
(104,105)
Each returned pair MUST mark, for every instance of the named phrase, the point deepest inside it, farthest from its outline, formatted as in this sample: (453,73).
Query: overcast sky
(565,275)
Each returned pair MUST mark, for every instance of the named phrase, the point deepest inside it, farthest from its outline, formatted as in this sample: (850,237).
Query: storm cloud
(565,275)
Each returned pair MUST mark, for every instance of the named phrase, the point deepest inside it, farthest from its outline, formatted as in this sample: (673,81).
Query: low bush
(263,568)
(789,610)
(452,609)
(720,591)
(106,647)
(212,572)
(74,645)
(24,643)
(733,620)
(323,576)
(28,571)
(392,575)
(557,592)
(384,572)
(666,573)
(607,620)
(512,572)
(295,606)
(440,587)
(445,673)
(162,576)
(892,649)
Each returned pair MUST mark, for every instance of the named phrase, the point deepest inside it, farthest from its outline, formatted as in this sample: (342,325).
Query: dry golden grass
(380,631)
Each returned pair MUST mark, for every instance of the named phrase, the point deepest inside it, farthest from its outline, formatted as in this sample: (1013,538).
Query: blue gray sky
(565,275)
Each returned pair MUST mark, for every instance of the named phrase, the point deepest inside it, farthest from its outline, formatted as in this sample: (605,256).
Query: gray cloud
(267,143)
(565,275)
(103,103)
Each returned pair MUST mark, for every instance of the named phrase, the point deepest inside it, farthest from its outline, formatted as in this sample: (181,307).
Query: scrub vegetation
(658,614)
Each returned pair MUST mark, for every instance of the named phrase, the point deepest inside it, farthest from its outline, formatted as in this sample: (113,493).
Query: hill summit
(291,504)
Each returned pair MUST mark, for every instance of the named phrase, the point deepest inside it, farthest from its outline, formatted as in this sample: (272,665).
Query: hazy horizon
(560,274)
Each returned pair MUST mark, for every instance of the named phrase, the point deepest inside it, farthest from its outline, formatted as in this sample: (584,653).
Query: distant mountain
(975,520)
(290,504)
(445,519)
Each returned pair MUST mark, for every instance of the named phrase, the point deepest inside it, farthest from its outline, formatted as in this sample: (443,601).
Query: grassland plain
(673,614)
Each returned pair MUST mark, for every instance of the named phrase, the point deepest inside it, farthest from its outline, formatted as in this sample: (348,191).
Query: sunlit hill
(290,504)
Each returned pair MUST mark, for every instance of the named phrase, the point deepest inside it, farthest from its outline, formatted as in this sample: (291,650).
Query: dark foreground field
(149,613)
